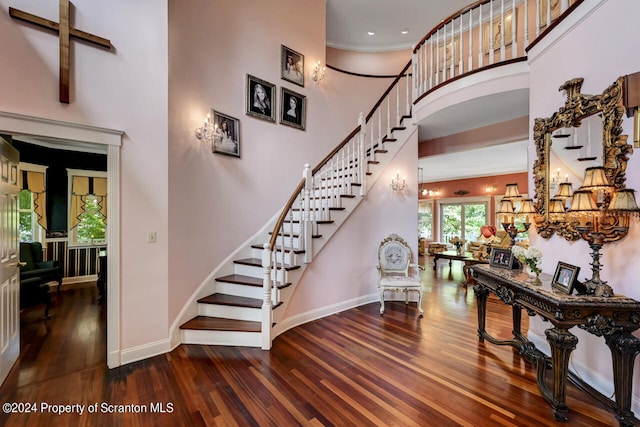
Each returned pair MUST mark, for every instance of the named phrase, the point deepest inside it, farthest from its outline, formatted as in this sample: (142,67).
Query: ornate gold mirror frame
(615,149)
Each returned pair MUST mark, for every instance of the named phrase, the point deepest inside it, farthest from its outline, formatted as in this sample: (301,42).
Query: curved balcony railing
(484,34)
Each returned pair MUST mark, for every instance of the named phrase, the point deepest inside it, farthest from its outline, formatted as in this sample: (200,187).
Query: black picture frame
(565,277)
(501,258)
(291,66)
(293,109)
(226,137)
(256,106)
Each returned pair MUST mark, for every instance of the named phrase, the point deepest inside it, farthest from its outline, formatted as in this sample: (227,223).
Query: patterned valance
(36,184)
(83,186)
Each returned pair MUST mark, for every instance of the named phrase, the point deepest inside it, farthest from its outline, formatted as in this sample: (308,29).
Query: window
(87,207)
(91,227)
(463,219)
(26,223)
(425,219)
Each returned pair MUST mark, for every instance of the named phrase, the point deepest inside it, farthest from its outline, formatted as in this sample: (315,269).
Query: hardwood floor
(354,368)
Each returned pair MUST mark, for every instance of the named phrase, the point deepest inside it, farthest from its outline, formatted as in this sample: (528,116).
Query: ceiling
(348,22)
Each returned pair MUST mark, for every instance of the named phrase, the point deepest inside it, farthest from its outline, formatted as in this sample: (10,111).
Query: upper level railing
(484,34)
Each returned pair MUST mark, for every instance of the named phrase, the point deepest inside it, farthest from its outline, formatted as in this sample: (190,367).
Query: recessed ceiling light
(405,31)
(371,33)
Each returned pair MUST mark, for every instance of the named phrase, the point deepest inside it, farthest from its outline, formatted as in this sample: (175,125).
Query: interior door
(9,258)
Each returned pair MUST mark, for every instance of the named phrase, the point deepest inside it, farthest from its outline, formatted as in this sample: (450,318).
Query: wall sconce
(603,215)
(424,191)
(207,131)
(555,180)
(511,212)
(318,73)
(397,184)
(491,188)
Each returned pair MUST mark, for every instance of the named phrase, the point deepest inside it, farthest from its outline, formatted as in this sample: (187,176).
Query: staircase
(245,302)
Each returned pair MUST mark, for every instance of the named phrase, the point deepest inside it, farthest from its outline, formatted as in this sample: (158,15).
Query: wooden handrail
(447,20)
(284,213)
(335,150)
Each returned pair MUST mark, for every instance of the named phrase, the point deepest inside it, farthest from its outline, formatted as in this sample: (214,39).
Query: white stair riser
(230,338)
(253,271)
(240,290)
(230,312)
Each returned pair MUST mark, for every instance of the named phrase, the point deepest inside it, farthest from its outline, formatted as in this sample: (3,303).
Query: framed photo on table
(293,108)
(261,99)
(502,258)
(291,66)
(565,277)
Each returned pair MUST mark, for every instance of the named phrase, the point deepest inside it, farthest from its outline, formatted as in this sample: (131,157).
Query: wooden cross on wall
(65,32)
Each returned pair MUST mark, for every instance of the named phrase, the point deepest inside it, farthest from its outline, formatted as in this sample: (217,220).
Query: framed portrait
(292,66)
(226,137)
(502,258)
(293,108)
(565,277)
(497,33)
(261,99)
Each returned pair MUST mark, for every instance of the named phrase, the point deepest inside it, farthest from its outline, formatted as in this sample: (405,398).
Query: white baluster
(502,30)
(537,18)
(306,229)
(398,114)
(266,311)
(470,64)
(437,57)
(431,66)
(548,13)
(460,62)
(408,100)
(388,134)
(362,137)
(491,34)
(526,23)
(380,141)
(514,37)
(480,39)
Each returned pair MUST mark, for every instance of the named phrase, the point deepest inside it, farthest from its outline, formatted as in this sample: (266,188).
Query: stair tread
(205,323)
(241,279)
(231,300)
(281,249)
(257,262)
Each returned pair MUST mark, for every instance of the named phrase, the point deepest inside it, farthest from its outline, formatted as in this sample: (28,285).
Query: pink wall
(368,63)
(125,89)
(600,57)
(217,202)
(345,268)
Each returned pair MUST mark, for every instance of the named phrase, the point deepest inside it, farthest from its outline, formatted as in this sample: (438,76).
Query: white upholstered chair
(394,267)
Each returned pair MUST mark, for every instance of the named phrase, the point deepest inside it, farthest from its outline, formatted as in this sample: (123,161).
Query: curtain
(81,187)
(35,183)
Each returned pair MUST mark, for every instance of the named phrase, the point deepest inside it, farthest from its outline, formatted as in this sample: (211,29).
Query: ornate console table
(613,318)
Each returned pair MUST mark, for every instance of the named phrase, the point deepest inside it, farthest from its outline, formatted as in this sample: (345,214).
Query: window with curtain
(31,203)
(88,208)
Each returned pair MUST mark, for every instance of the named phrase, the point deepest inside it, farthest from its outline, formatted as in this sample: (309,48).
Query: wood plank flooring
(355,368)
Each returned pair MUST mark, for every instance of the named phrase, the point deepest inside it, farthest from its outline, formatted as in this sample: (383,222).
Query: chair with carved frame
(394,267)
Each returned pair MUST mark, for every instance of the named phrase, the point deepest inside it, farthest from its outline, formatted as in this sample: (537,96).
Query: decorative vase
(459,250)
(534,277)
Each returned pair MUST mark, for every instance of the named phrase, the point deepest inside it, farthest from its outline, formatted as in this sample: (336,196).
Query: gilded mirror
(591,122)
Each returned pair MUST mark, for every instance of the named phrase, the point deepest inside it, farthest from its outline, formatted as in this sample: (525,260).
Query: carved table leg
(481,297)
(624,348)
(562,343)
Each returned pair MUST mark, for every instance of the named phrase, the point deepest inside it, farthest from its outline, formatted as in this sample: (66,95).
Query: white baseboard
(319,313)
(145,351)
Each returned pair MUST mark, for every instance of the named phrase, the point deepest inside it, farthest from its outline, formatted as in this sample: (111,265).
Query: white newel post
(362,162)
(266,300)
(307,229)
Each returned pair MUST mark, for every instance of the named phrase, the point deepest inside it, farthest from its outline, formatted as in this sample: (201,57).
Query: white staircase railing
(485,33)
(322,189)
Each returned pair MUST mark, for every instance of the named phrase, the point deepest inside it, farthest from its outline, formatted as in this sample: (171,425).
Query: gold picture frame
(447,54)
(555,11)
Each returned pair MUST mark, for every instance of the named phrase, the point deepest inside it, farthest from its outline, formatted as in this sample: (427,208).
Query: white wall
(600,57)
(125,89)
